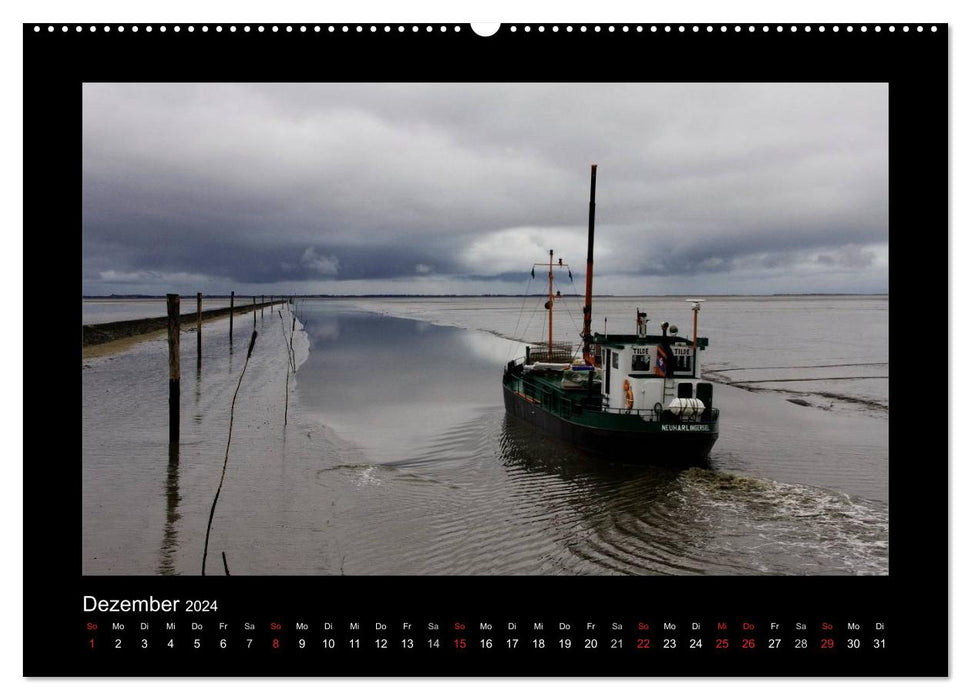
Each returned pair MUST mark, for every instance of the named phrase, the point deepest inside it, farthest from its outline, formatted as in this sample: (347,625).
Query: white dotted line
(106,29)
(414,28)
(723,28)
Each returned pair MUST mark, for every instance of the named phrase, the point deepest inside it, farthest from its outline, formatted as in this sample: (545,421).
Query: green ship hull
(577,416)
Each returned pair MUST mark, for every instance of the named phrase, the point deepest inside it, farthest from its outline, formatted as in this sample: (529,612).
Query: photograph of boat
(634,398)
(308,349)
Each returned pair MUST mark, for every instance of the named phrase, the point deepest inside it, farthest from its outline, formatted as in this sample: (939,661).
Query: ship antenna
(588,297)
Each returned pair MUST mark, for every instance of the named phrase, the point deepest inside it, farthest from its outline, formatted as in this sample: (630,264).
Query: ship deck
(580,403)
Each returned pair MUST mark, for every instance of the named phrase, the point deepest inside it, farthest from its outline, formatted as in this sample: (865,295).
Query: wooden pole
(172,302)
(232,301)
(254,312)
(198,329)
(262,301)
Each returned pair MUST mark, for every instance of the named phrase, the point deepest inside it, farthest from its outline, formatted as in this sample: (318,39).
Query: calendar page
(453,350)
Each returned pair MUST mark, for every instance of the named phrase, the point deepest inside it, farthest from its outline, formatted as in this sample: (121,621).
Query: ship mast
(588,298)
(551,297)
(549,305)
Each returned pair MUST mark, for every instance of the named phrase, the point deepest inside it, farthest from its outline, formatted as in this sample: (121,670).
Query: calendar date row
(488,643)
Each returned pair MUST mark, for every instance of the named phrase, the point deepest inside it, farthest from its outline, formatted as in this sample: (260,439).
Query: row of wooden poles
(173,304)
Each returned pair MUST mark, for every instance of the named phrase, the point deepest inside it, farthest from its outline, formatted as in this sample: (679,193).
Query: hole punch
(485,29)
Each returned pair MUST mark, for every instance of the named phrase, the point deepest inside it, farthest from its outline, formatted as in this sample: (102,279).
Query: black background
(912,600)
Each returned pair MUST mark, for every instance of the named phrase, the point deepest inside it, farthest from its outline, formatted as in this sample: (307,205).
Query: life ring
(629,393)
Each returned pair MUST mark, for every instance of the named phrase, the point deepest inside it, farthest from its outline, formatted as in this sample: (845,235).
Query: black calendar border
(913,598)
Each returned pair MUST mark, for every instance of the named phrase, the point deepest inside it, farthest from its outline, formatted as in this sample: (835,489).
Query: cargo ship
(633,398)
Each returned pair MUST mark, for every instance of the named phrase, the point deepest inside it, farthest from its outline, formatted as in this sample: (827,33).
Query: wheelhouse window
(682,363)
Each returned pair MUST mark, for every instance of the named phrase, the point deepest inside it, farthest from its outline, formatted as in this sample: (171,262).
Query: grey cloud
(366,183)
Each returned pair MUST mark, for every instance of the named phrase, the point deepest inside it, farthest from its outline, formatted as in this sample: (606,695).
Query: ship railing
(651,415)
(559,352)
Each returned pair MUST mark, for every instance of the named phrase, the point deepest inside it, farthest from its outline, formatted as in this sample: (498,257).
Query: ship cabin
(654,374)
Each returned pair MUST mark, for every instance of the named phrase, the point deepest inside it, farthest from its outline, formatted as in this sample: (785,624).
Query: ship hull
(631,440)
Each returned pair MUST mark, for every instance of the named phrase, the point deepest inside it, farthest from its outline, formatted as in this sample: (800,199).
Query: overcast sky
(455,188)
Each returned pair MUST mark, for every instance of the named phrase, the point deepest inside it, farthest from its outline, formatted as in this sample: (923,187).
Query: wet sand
(103,339)
(99,333)
(113,347)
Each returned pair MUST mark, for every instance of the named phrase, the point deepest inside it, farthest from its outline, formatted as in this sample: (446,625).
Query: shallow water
(398,457)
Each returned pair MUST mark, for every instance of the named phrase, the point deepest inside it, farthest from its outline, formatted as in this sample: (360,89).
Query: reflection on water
(393,385)
(398,458)
(170,541)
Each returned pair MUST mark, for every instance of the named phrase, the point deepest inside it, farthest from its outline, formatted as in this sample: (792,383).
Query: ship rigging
(633,397)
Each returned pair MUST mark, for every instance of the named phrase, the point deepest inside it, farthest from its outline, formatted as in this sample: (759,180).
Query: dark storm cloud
(352,187)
